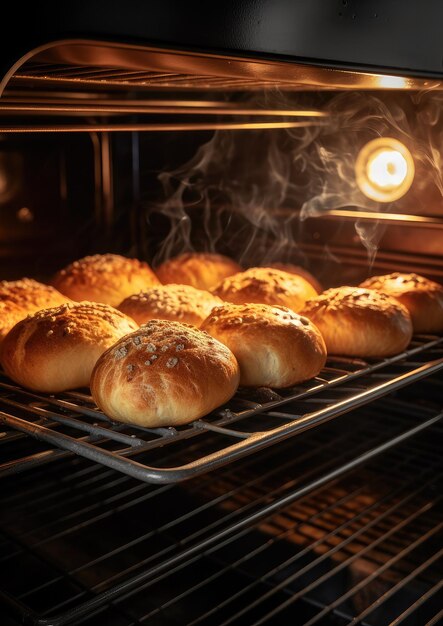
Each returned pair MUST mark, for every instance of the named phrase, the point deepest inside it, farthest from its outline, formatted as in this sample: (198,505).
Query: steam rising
(252,190)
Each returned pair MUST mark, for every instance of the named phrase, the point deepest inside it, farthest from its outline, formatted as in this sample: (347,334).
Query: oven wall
(258,196)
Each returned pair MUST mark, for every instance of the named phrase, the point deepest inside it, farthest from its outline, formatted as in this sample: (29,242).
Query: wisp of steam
(252,190)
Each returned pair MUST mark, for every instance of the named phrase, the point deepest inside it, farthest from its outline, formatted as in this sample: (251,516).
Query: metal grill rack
(71,112)
(252,420)
(57,97)
(344,526)
(60,75)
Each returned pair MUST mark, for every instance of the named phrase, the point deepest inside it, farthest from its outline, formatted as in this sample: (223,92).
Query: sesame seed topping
(130,367)
(121,352)
(49,333)
(179,347)
(150,347)
(153,357)
(172,362)
(165,347)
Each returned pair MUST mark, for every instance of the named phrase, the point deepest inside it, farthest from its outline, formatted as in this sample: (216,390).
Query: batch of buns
(164,348)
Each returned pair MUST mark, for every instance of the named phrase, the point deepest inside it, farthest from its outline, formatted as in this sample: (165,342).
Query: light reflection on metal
(140,107)
(401,218)
(392,82)
(87,128)
(384,169)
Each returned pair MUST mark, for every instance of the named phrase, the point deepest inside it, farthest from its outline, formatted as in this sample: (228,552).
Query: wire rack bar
(149,127)
(309,408)
(143,81)
(436,619)
(105,108)
(31,461)
(366,581)
(118,501)
(351,537)
(409,494)
(438,587)
(406,476)
(430,561)
(260,499)
(131,584)
(334,570)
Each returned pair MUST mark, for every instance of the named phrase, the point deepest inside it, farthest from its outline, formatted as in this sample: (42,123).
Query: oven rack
(250,422)
(273,532)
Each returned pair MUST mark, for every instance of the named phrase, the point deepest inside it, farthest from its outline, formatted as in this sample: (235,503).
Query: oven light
(384,169)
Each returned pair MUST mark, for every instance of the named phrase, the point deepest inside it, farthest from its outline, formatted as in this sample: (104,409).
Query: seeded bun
(262,285)
(179,303)
(19,298)
(299,271)
(360,322)
(274,346)
(422,297)
(55,349)
(198,269)
(107,278)
(164,374)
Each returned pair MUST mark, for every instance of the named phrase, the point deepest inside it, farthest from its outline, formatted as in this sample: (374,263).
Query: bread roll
(360,322)
(55,349)
(422,297)
(300,271)
(274,346)
(164,374)
(198,269)
(107,278)
(180,303)
(19,298)
(262,285)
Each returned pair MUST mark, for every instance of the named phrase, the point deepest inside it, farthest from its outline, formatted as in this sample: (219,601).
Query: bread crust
(20,298)
(360,322)
(262,285)
(299,271)
(106,278)
(202,270)
(422,297)
(55,349)
(164,374)
(274,346)
(180,303)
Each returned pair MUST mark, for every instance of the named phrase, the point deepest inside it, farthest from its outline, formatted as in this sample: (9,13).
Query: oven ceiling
(285,43)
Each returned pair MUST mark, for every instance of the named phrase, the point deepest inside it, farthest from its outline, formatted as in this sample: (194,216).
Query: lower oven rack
(341,529)
(254,419)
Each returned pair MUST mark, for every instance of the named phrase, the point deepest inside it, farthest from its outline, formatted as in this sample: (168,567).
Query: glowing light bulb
(387,169)
(384,169)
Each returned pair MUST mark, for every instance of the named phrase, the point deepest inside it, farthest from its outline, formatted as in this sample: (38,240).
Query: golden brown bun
(19,298)
(300,271)
(262,285)
(55,349)
(179,303)
(274,346)
(422,297)
(198,269)
(107,278)
(164,374)
(360,322)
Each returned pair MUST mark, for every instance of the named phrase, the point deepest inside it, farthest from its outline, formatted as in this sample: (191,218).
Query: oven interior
(320,504)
